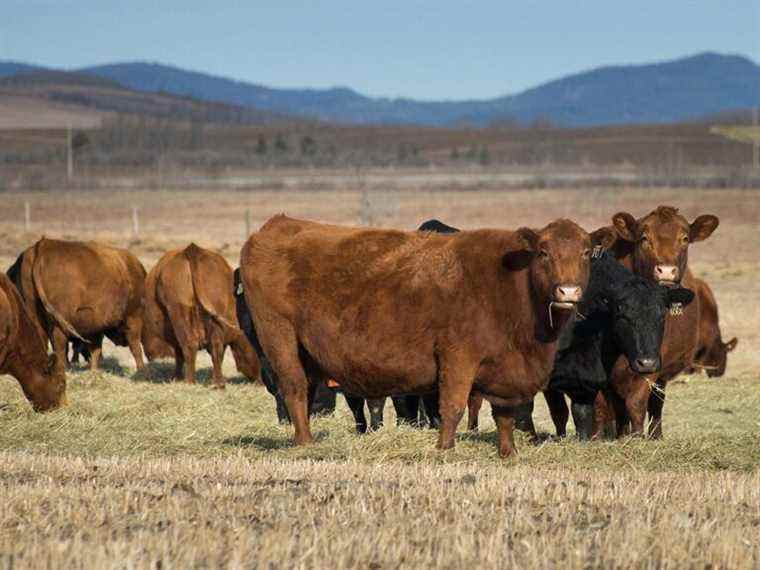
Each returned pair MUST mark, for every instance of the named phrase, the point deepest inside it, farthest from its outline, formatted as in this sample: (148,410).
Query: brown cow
(387,312)
(83,290)
(23,352)
(190,305)
(712,353)
(656,247)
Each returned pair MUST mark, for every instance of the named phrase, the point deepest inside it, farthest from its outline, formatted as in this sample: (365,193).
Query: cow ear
(529,237)
(517,260)
(680,295)
(701,228)
(731,344)
(604,237)
(625,225)
(521,258)
(52,363)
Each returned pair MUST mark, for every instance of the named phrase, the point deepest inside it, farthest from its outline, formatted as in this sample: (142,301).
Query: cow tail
(192,252)
(59,319)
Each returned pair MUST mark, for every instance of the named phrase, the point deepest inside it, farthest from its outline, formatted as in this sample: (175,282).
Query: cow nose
(647,365)
(668,273)
(568,294)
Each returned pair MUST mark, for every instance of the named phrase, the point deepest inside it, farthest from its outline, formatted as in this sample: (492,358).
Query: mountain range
(685,89)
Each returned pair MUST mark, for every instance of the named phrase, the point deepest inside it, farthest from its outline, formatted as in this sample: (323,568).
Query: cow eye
(685,240)
(543,254)
(586,254)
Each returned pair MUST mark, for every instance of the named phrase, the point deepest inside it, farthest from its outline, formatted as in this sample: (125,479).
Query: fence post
(27,217)
(247,224)
(135,221)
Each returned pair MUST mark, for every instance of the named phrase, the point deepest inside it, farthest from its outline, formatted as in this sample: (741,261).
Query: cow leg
(376,407)
(281,349)
(583,418)
(282,410)
(96,350)
(189,352)
(185,336)
(611,417)
(179,363)
(216,348)
(433,413)
(505,425)
(474,403)
(456,379)
(356,404)
(636,405)
(655,405)
(404,409)
(558,410)
(321,397)
(523,415)
(133,333)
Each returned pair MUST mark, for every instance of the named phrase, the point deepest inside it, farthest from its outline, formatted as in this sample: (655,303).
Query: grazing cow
(190,305)
(712,353)
(620,315)
(83,291)
(656,247)
(386,312)
(321,396)
(23,352)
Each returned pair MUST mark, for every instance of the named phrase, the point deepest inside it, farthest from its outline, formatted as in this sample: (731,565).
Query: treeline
(147,142)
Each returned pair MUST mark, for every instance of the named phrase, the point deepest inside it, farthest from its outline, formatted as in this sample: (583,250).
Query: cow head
(49,392)
(713,358)
(638,309)
(660,241)
(558,258)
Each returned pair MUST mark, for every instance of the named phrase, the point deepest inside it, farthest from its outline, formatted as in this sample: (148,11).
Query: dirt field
(140,472)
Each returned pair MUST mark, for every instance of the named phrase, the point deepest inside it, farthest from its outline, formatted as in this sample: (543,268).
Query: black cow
(620,314)
(321,397)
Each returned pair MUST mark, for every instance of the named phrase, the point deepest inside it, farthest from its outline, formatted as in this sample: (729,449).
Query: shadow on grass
(492,437)
(113,366)
(162,372)
(107,364)
(267,442)
(156,372)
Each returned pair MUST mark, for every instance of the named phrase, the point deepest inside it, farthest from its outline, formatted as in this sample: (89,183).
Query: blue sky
(429,50)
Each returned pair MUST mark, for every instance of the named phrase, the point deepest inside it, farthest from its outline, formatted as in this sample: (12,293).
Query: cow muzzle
(646,365)
(566,296)
(666,275)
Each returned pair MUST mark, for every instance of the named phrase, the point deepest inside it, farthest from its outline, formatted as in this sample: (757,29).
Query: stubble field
(141,472)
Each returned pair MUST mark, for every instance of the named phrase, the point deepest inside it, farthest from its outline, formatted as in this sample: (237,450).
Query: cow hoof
(507,452)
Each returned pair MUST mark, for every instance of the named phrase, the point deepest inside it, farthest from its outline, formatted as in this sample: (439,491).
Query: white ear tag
(239,290)
(597,252)
(676,309)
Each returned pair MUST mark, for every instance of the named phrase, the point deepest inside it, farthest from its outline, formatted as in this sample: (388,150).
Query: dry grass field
(140,472)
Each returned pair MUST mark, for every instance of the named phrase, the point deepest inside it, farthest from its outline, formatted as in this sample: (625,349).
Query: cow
(189,306)
(655,247)
(620,315)
(83,291)
(387,312)
(321,395)
(23,352)
(712,353)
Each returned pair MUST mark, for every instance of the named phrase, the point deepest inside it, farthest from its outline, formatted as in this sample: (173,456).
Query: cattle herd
(438,319)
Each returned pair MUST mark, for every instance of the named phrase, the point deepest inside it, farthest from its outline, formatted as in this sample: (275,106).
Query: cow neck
(27,361)
(30,375)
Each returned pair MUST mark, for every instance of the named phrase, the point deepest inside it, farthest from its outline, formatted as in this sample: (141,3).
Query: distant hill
(684,89)
(46,98)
